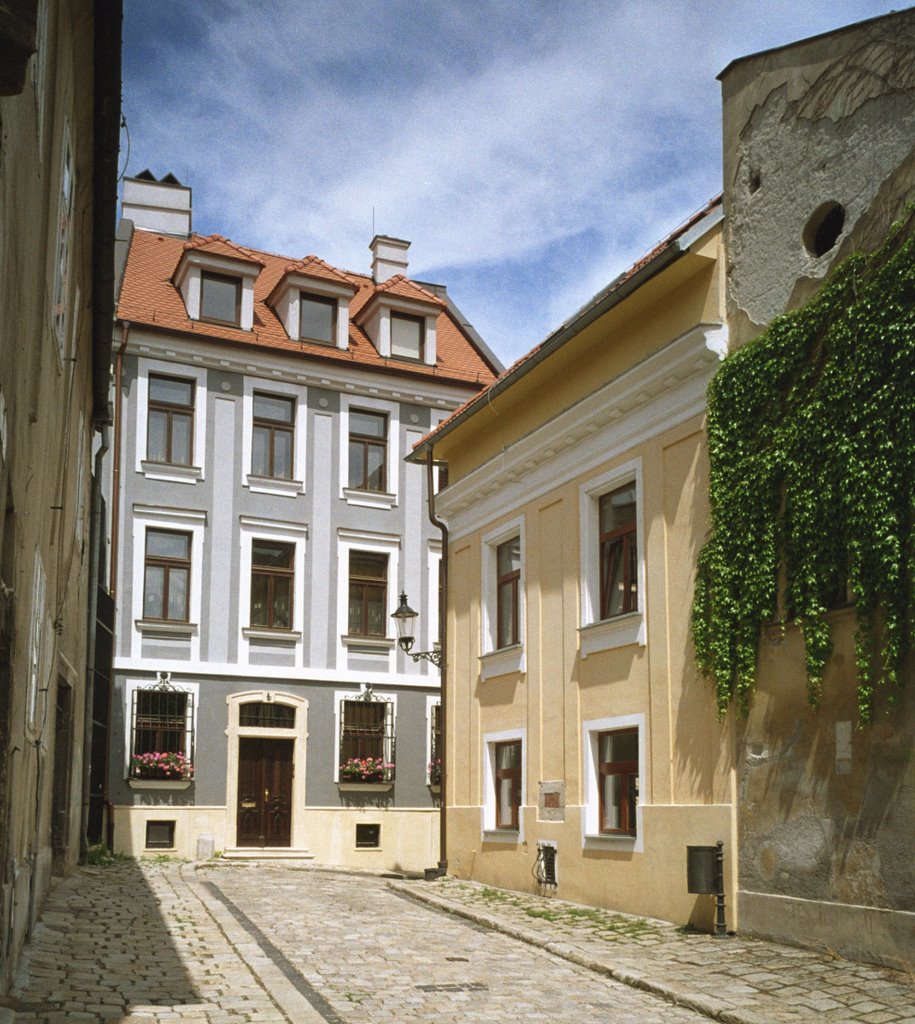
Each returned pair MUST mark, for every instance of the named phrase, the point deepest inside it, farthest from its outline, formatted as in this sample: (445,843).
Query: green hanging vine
(811,433)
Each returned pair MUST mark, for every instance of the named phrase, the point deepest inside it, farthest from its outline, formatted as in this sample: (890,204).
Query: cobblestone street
(263,943)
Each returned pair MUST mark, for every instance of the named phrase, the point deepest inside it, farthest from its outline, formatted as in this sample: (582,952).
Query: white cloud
(491,133)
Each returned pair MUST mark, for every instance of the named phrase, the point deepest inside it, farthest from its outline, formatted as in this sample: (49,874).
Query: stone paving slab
(731,979)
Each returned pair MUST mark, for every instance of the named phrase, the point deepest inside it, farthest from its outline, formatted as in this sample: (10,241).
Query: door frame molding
(298,735)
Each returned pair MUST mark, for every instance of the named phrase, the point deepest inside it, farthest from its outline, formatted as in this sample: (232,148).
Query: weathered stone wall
(825,808)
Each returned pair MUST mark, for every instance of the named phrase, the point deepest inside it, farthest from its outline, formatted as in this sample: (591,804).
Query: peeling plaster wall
(826,810)
(830,119)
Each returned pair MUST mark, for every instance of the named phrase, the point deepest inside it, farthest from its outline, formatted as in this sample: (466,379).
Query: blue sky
(529,150)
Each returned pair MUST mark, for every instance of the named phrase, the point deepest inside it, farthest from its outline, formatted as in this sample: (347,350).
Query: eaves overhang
(619,289)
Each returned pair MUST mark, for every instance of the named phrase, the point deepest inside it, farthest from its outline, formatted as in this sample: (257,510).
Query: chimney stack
(389,257)
(163,206)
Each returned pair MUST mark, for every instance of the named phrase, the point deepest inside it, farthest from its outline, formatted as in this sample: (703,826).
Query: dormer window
(220,298)
(317,318)
(408,336)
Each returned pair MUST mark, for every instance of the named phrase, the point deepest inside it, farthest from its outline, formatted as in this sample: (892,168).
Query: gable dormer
(312,301)
(400,320)
(216,280)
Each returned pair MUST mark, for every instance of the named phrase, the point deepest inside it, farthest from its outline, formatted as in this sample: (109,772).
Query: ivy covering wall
(811,434)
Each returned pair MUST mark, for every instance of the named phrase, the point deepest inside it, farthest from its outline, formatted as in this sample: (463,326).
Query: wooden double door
(265,769)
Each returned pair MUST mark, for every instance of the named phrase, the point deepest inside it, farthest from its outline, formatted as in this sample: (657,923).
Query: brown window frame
(167,563)
(168,728)
(613,545)
(366,442)
(366,584)
(212,275)
(420,321)
(322,300)
(510,581)
(272,574)
(629,772)
(272,428)
(513,775)
(367,730)
(170,410)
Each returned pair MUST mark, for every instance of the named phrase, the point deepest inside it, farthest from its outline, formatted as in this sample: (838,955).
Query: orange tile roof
(149,298)
(406,289)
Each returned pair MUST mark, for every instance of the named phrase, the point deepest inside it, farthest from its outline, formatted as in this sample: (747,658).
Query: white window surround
(274,485)
(596,634)
(39,634)
(430,616)
(341,695)
(185,521)
(591,837)
(377,543)
(489,832)
(377,324)
(252,529)
(195,262)
(130,687)
(159,470)
(371,499)
(496,661)
(287,305)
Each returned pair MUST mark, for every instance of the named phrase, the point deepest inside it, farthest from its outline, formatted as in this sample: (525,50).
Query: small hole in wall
(754,182)
(823,228)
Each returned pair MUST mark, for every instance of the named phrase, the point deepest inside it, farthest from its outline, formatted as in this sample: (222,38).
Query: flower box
(366,770)
(161,766)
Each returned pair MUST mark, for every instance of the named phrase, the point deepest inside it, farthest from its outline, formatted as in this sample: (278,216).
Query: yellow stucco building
(579,737)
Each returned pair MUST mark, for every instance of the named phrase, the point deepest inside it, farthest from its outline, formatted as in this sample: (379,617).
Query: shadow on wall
(106,924)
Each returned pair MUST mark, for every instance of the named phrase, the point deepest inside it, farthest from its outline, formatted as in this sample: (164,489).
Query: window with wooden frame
(272,583)
(220,298)
(408,336)
(618,768)
(162,733)
(508,784)
(366,735)
(508,577)
(167,575)
(368,450)
(273,436)
(259,714)
(435,746)
(170,420)
(618,552)
(368,590)
(317,318)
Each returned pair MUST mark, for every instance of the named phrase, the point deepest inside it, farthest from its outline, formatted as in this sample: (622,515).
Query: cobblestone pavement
(218,943)
(730,979)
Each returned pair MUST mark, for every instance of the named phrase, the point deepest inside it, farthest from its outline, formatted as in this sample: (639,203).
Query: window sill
(509,836)
(609,634)
(175,630)
(365,787)
(369,499)
(159,783)
(598,841)
(274,637)
(376,644)
(172,473)
(503,661)
(275,485)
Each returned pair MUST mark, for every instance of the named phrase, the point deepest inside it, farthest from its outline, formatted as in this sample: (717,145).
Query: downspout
(112,579)
(443,647)
(95,542)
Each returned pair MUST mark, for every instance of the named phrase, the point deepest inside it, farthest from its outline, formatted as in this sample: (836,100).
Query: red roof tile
(149,298)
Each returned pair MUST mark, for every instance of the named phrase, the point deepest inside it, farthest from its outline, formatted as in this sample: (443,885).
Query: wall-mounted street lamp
(404,618)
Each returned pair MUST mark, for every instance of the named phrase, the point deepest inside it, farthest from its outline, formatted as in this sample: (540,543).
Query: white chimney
(389,257)
(163,206)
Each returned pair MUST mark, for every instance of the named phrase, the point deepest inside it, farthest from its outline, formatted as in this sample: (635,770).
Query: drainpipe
(112,579)
(95,543)
(443,647)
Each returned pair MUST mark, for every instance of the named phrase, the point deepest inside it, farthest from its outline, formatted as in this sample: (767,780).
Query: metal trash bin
(701,869)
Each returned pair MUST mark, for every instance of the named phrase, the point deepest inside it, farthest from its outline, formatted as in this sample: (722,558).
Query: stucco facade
(609,406)
(59,143)
(298,661)
(818,162)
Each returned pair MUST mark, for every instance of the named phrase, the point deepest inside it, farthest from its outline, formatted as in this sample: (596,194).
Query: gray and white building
(265,525)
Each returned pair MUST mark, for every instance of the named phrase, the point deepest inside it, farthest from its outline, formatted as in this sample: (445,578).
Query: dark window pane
(259,714)
(367,565)
(177,593)
(153,592)
(260,452)
(272,553)
(157,436)
(220,298)
(170,391)
(508,556)
(617,509)
(282,602)
(375,458)
(282,454)
(163,544)
(181,439)
(269,407)
(317,318)
(368,424)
